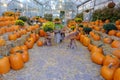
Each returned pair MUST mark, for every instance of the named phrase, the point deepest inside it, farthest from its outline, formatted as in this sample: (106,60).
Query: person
(48,41)
(72,44)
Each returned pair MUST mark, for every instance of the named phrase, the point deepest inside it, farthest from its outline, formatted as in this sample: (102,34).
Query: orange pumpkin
(24,47)
(12,37)
(33,35)
(117,22)
(37,37)
(86,41)
(107,72)
(16,61)
(25,55)
(118,34)
(116,53)
(112,32)
(97,58)
(2,42)
(96,37)
(29,44)
(117,74)
(15,49)
(107,40)
(90,46)
(39,43)
(115,44)
(111,59)
(42,33)
(4,65)
(96,49)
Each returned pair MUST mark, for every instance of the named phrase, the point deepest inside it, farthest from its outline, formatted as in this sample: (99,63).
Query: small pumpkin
(2,42)
(112,32)
(96,37)
(96,49)
(4,65)
(12,37)
(29,44)
(40,43)
(115,44)
(116,74)
(14,49)
(116,53)
(42,33)
(16,61)
(107,40)
(90,46)
(23,47)
(86,41)
(118,34)
(33,35)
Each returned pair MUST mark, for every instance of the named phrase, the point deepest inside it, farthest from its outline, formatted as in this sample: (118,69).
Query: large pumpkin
(16,61)
(107,72)
(4,65)
(117,74)
(111,59)
(97,58)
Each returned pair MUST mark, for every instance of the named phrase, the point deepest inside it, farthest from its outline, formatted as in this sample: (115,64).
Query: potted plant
(20,23)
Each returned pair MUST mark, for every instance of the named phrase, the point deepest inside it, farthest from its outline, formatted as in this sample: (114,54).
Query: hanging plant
(111,4)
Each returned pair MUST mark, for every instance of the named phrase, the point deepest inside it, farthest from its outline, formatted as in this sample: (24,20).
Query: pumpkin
(18,34)
(2,42)
(90,46)
(111,59)
(25,55)
(24,47)
(107,72)
(16,61)
(39,43)
(118,34)
(14,49)
(107,40)
(42,33)
(29,44)
(107,21)
(96,37)
(82,38)
(96,49)
(86,41)
(112,32)
(116,74)
(97,58)
(12,37)
(117,22)
(4,65)
(115,44)
(37,37)
(33,35)
(118,27)
(116,53)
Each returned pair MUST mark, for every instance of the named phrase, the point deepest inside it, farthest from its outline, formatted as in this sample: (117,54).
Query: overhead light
(21,5)
(5,5)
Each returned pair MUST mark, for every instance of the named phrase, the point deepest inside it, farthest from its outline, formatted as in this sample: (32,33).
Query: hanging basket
(111,4)
(87,10)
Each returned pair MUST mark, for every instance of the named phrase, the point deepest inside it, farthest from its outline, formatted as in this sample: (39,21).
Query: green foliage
(59,26)
(48,17)
(109,27)
(87,30)
(106,13)
(23,18)
(48,26)
(57,19)
(80,25)
(72,28)
(80,15)
(78,20)
(19,22)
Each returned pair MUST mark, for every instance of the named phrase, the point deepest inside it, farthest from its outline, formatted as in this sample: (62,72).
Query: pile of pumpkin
(110,63)
(19,54)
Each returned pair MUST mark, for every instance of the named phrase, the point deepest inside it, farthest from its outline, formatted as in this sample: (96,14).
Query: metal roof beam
(83,3)
(38,2)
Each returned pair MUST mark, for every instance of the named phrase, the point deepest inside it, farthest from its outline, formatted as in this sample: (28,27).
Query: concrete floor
(57,63)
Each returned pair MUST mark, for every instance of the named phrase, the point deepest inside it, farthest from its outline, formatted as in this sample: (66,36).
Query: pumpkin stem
(110,65)
(20,51)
